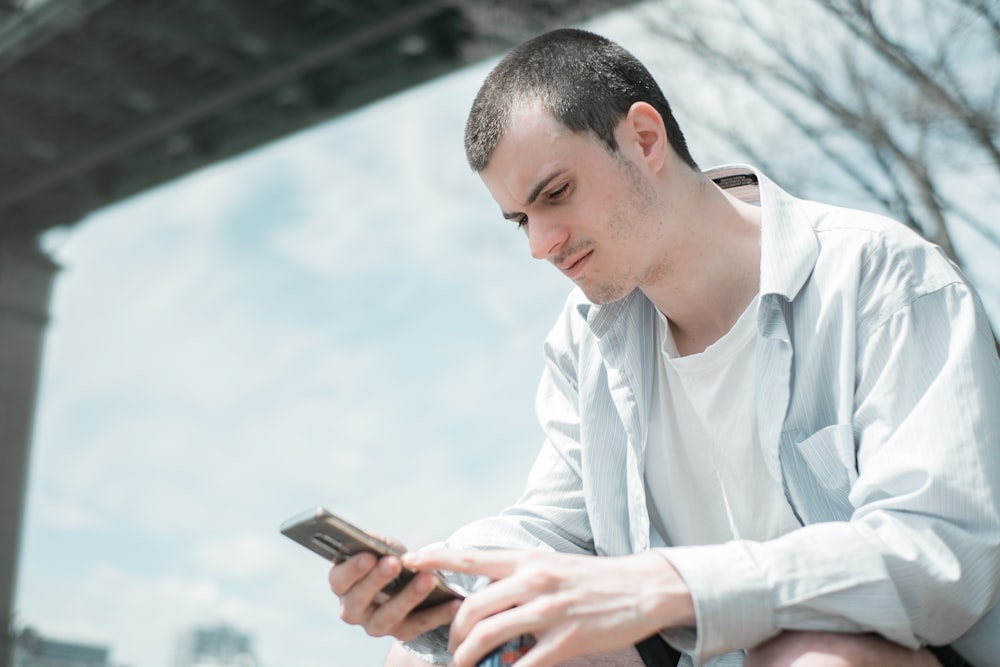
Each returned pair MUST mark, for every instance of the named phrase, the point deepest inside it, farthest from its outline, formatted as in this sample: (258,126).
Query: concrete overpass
(102,99)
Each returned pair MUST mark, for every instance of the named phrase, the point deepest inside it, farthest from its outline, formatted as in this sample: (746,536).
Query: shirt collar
(788,244)
(601,317)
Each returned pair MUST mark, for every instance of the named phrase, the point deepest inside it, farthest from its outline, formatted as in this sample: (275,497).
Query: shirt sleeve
(917,561)
(551,513)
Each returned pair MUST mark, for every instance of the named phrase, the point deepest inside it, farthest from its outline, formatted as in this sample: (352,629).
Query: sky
(340,318)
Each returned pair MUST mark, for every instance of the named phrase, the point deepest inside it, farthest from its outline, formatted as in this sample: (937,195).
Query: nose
(545,237)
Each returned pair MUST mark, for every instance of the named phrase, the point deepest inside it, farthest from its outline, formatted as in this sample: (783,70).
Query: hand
(572,605)
(359,581)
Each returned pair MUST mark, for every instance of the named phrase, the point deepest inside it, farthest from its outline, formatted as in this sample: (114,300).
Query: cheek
(619,226)
(626,220)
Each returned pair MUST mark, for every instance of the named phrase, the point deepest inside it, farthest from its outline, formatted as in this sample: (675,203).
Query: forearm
(838,576)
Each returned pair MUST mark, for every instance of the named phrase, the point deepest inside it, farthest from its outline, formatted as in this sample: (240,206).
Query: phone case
(336,539)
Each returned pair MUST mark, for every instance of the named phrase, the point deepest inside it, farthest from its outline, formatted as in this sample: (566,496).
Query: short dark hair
(587,82)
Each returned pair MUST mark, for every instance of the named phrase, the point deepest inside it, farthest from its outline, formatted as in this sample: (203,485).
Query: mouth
(574,265)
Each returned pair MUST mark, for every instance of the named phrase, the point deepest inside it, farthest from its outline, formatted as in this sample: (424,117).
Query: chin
(605,294)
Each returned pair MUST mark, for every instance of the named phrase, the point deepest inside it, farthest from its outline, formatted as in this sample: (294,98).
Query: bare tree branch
(857,16)
(905,111)
(988,11)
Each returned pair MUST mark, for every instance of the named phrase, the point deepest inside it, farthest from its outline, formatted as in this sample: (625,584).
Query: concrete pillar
(25,284)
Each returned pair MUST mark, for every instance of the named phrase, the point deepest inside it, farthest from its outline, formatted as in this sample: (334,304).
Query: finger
(493,564)
(544,654)
(356,605)
(415,624)
(396,612)
(425,621)
(489,601)
(344,575)
(491,633)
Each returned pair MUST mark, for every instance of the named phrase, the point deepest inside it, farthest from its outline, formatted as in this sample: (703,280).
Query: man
(775,421)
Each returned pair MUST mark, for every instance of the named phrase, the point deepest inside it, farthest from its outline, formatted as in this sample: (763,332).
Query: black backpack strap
(655,652)
(948,657)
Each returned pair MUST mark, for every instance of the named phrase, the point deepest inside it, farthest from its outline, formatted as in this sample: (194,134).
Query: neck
(715,274)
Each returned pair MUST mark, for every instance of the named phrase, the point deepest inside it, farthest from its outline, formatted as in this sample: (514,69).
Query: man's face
(592,214)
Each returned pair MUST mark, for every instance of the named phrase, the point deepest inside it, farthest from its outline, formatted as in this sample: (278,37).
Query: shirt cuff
(431,647)
(732,602)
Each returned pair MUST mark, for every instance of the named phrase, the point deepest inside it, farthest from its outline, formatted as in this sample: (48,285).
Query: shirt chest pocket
(819,471)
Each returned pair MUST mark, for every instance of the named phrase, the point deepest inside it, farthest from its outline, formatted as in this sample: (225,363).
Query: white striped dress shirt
(877,409)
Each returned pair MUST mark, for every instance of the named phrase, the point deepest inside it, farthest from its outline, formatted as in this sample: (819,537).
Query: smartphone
(336,539)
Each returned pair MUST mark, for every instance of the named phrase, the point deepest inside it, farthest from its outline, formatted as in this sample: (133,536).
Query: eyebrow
(535,192)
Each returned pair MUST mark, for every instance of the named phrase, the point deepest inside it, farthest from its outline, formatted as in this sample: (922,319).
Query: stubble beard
(598,293)
(605,294)
(642,205)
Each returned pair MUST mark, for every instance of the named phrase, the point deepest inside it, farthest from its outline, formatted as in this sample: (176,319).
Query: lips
(575,265)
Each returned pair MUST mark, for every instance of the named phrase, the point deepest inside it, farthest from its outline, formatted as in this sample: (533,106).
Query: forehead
(534,145)
(531,116)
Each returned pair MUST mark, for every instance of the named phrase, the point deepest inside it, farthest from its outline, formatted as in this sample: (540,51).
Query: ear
(645,127)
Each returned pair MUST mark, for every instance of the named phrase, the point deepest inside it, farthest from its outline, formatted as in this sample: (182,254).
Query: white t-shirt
(705,476)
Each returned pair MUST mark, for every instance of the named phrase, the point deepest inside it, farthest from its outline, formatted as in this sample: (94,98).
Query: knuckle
(485,633)
(551,607)
(347,615)
(389,619)
(379,626)
(361,564)
(542,580)
(344,575)
(337,586)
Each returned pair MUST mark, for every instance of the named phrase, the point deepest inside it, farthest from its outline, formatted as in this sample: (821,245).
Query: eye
(521,221)
(559,193)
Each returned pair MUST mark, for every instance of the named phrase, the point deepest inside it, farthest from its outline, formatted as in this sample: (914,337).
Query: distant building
(33,650)
(219,646)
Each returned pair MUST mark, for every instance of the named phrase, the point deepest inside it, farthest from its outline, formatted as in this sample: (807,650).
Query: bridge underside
(102,99)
